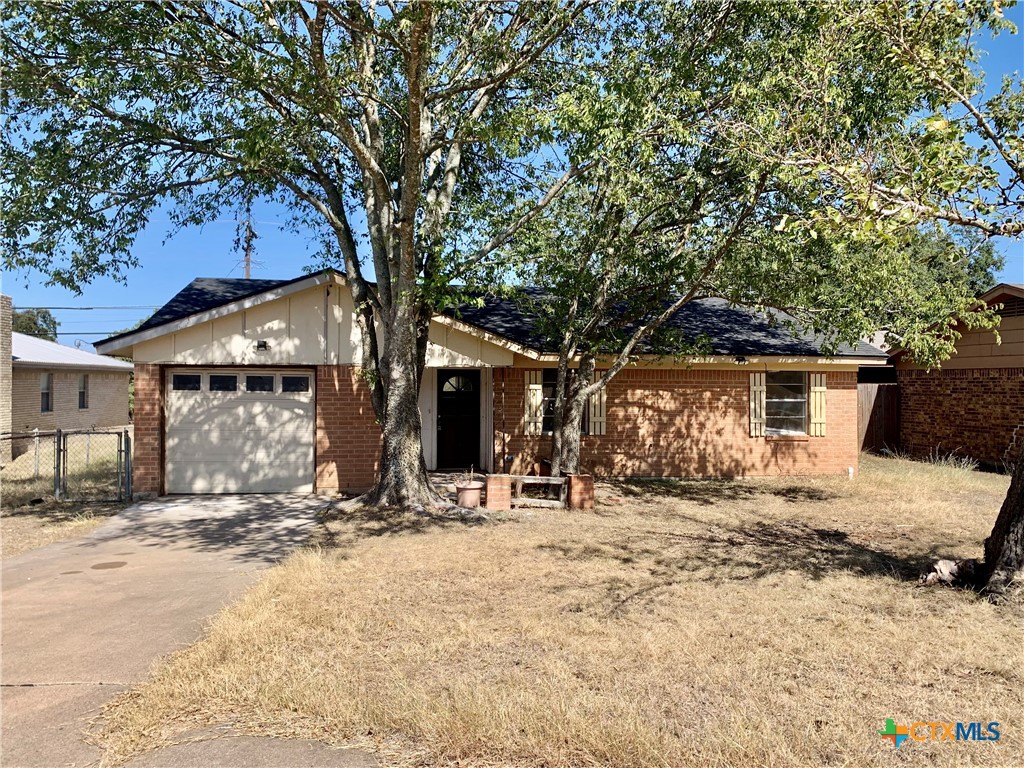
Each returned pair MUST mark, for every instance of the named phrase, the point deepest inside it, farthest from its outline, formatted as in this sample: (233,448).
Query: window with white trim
(83,391)
(541,387)
(45,392)
(785,403)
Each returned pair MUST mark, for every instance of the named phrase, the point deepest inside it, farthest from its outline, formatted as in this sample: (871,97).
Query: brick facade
(6,375)
(348,439)
(147,450)
(684,423)
(661,423)
(498,492)
(108,400)
(975,412)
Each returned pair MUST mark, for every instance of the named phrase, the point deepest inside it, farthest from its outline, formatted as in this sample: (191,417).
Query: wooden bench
(559,483)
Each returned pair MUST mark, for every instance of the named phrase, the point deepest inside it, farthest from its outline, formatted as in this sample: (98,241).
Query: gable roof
(1008,290)
(204,295)
(34,352)
(732,330)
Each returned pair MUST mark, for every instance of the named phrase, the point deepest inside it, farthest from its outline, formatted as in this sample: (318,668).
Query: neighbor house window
(46,392)
(785,401)
(83,391)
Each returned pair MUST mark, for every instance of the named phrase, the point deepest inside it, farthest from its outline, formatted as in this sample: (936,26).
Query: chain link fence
(80,465)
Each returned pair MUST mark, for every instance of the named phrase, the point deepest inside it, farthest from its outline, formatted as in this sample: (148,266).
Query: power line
(140,306)
(71,333)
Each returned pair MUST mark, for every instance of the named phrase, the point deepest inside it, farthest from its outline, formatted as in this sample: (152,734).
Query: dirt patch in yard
(32,526)
(704,623)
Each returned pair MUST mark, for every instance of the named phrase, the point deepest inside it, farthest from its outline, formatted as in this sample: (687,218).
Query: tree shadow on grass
(51,512)
(708,492)
(347,524)
(651,560)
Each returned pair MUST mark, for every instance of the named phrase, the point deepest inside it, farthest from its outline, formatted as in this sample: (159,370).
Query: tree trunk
(559,420)
(403,480)
(1004,548)
(572,424)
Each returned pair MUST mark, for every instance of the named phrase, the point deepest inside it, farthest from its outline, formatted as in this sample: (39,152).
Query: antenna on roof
(245,240)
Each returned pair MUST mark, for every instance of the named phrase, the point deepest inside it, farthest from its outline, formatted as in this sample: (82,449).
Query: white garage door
(239,431)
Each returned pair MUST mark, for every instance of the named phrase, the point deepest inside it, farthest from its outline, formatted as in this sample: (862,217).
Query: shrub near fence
(66,466)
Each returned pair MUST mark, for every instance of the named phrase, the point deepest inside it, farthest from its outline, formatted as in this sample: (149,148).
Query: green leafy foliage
(35,322)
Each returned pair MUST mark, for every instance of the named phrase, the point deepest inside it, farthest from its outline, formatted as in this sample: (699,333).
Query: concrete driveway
(85,619)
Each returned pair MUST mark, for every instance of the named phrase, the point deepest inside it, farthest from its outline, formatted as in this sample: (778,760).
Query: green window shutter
(757,398)
(817,405)
(534,416)
(598,409)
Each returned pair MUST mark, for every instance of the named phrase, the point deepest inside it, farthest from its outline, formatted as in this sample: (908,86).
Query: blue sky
(166,267)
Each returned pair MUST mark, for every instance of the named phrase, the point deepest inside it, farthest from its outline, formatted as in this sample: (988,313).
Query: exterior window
(223,382)
(259,383)
(83,391)
(458,384)
(785,403)
(186,382)
(45,392)
(295,383)
(549,383)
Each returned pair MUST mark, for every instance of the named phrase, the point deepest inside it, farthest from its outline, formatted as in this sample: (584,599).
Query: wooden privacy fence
(878,416)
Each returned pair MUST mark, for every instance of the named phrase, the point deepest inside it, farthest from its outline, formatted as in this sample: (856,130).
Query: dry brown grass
(769,623)
(31,527)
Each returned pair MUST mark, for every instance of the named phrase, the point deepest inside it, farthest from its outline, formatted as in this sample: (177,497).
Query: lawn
(705,623)
(30,517)
(31,527)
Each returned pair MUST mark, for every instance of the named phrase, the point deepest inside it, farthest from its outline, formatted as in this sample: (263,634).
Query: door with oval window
(458,419)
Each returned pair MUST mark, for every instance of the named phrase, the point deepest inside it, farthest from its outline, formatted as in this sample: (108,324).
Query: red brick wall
(348,440)
(974,412)
(686,423)
(147,450)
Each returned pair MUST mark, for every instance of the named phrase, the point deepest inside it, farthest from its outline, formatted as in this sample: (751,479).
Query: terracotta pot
(469,493)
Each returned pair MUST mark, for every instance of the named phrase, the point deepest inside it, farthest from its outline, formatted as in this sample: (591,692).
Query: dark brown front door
(458,419)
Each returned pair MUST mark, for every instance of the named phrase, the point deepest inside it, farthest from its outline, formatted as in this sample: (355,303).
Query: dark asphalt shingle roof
(202,294)
(732,330)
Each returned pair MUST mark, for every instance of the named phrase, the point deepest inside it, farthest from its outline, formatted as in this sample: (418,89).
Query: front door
(458,419)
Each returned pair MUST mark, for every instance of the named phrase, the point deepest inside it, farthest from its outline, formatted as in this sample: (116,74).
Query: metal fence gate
(79,465)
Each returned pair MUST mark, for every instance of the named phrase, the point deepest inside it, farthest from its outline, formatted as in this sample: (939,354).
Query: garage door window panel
(222,382)
(295,383)
(259,383)
(187,382)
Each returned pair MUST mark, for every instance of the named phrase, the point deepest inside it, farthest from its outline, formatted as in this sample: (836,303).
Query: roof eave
(71,366)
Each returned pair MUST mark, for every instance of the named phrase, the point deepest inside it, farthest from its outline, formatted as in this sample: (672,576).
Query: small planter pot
(469,493)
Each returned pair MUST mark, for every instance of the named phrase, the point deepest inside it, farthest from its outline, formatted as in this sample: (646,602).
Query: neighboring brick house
(973,404)
(6,376)
(48,386)
(254,385)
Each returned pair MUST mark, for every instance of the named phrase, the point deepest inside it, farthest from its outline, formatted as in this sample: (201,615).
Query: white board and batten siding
(241,441)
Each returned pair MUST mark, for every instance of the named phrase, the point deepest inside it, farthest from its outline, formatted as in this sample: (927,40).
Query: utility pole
(249,246)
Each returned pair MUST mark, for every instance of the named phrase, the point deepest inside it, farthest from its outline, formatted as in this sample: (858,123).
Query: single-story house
(973,404)
(255,385)
(48,386)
